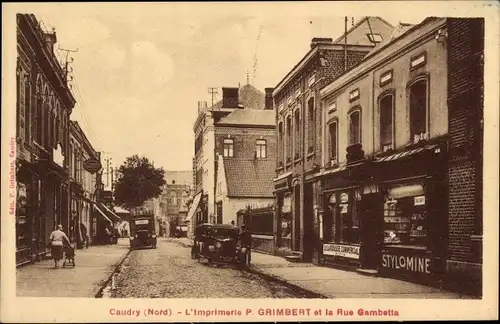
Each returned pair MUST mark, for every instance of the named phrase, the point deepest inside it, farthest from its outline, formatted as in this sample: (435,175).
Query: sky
(140,69)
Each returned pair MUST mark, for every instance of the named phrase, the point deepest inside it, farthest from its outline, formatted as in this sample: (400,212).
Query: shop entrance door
(371,208)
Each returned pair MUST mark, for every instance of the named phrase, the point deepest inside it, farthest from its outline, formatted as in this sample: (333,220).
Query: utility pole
(212,91)
(67,60)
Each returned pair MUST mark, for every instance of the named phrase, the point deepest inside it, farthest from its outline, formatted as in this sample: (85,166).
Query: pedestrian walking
(57,241)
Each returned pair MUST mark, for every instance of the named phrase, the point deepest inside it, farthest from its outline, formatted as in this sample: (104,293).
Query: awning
(407,153)
(103,214)
(194,207)
(116,217)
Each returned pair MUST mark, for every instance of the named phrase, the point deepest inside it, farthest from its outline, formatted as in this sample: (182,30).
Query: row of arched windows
(40,115)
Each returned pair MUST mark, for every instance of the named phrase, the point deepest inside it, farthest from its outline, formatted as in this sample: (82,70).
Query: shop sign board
(406,263)
(341,250)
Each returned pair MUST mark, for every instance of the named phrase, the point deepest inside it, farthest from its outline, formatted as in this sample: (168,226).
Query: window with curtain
(333,142)
(386,105)
(228,147)
(261,149)
(418,108)
(355,127)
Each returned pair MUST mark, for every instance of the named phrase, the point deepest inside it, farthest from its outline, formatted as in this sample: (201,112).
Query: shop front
(414,215)
(350,227)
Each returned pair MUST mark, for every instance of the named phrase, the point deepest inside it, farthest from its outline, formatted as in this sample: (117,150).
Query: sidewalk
(334,283)
(93,268)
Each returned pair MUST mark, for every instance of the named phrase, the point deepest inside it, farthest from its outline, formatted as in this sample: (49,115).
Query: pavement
(327,282)
(94,267)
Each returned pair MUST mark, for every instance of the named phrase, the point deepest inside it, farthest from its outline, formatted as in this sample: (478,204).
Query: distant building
(173,201)
(203,206)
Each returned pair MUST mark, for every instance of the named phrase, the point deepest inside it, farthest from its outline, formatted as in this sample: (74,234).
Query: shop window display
(21,216)
(405,221)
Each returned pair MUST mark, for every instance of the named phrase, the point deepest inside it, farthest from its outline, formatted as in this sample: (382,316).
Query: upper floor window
(311,124)
(261,149)
(418,108)
(288,136)
(280,141)
(297,133)
(355,127)
(228,147)
(39,112)
(386,104)
(333,142)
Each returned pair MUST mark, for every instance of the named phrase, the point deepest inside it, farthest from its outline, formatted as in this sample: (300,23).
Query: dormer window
(375,38)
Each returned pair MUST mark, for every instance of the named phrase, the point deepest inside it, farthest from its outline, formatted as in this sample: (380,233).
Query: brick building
(298,114)
(203,207)
(466,111)
(44,104)
(246,147)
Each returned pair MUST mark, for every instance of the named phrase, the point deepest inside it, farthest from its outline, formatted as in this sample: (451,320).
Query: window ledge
(297,160)
(309,155)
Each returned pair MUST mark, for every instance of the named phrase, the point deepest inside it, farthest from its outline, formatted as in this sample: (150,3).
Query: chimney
(50,40)
(321,41)
(230,97)
(268,103)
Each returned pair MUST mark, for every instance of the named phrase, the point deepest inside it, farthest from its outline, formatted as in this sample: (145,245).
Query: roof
(251,97)
(400,29)
(252,117)
(357,35)
(249,177)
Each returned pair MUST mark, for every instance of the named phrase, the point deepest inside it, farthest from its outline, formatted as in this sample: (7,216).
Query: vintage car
(143,232)
(217,243)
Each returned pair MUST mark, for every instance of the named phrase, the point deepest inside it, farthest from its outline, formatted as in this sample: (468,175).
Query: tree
(138,181)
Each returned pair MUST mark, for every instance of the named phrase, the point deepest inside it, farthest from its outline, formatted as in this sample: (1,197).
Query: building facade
(246,150)
(44,104)
(203,207)
(465,124)
(298,119)
(83,186)
(384,178)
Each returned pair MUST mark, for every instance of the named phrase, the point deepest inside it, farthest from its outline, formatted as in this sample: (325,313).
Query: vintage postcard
(249,161)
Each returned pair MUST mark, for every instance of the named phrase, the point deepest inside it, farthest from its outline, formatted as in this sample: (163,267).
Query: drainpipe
(303,177)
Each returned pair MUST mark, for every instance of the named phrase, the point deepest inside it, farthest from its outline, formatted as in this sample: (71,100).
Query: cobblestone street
(168,271)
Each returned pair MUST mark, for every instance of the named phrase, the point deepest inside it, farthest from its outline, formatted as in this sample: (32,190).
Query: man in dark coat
(245,238)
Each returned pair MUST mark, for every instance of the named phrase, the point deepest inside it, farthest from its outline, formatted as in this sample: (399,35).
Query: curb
(301,290)
(309,293)
(98,291)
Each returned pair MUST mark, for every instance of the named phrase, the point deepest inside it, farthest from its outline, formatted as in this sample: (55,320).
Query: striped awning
(401,155)
(103,214)
(113,215)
